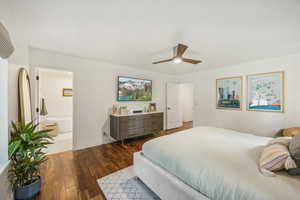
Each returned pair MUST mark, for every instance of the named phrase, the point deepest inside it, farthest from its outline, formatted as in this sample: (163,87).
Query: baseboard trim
(4,167)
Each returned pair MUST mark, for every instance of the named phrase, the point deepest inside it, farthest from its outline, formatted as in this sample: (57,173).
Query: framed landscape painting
(229,93)
(265,92)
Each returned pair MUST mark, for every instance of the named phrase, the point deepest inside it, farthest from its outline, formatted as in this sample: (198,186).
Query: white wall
(95,91)
(260,123)
(52,83)
(95,86)
(19,59)
(187,101)
(5,191)
(3,111)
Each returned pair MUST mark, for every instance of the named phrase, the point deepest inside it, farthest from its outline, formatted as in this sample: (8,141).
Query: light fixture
(177,60)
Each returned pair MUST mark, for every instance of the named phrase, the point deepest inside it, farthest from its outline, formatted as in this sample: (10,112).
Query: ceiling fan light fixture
(178,56)
(177,60)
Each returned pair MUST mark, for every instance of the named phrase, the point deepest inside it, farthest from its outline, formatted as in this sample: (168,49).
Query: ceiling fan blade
(191,61)
(181,48)
(162,61)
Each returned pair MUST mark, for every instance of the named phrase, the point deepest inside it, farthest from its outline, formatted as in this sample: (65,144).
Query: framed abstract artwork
(67,92)
(229,93)
(265,92)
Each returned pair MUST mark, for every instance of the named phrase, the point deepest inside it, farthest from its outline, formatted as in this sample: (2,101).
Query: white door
(174,118)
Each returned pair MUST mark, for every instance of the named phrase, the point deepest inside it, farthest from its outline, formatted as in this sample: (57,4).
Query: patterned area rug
(124,185)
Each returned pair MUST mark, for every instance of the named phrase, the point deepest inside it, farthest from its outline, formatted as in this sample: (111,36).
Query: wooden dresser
(129,126)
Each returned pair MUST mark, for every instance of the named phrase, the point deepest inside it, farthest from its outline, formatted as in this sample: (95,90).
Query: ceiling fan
(177,58)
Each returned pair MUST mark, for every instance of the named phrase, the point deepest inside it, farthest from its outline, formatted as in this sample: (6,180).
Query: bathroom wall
(51,87)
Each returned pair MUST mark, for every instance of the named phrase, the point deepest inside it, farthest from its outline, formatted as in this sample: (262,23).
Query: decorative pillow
(291,131)
(295,149)
(276,156)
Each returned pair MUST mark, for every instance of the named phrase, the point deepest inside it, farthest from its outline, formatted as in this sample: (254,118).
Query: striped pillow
(275,157)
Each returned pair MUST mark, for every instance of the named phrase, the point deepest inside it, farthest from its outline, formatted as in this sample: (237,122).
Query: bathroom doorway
(54,108)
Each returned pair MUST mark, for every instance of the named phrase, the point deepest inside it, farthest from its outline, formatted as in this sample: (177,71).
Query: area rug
(125,185)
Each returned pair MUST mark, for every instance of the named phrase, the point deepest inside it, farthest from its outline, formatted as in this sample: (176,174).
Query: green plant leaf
(26,152)
(13,146)
(25,137)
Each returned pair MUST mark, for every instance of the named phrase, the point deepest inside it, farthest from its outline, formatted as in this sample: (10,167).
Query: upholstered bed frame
(161,182)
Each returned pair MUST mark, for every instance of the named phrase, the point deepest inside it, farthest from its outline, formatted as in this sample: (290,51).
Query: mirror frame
(23,74)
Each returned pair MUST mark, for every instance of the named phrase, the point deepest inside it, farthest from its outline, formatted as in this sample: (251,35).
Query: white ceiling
(137,32)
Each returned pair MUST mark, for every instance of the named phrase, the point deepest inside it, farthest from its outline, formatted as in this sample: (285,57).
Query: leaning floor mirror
(25,105)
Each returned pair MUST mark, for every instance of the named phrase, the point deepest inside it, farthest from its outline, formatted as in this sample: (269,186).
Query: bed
(210,163)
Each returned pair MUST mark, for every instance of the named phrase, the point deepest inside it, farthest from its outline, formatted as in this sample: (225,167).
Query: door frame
(37,103)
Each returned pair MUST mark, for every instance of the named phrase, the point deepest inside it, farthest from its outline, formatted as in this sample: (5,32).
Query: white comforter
(221,164)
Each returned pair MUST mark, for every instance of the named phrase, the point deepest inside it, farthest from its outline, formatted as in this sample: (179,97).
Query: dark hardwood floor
(73,174)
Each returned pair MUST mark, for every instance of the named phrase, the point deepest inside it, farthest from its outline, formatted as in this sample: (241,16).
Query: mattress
(221,164)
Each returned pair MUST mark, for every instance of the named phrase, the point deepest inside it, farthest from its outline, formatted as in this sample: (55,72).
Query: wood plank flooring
(72,175)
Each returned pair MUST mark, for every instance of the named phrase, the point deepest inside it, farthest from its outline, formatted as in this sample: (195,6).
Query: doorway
(173,106)
(55,107)
(180,104)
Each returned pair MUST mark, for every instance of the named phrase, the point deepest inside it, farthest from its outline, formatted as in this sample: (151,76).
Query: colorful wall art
(67,92)
(229,93)
(133,89)
(265,92)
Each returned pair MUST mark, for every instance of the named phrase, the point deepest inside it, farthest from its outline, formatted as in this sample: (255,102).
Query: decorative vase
(28,191)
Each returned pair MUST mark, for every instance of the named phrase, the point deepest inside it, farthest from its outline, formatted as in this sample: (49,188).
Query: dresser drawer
(132,123)
(157,115)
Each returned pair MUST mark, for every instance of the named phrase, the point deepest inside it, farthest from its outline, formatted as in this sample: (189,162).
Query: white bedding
(221,164)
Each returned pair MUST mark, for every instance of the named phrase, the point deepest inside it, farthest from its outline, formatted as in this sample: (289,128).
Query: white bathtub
(65,124)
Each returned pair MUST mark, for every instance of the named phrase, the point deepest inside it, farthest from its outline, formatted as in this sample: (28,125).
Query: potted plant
(26,154)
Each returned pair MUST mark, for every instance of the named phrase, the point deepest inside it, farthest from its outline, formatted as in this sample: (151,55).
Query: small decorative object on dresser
(291,131)
(152,107)
(114,109)
(123,110)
